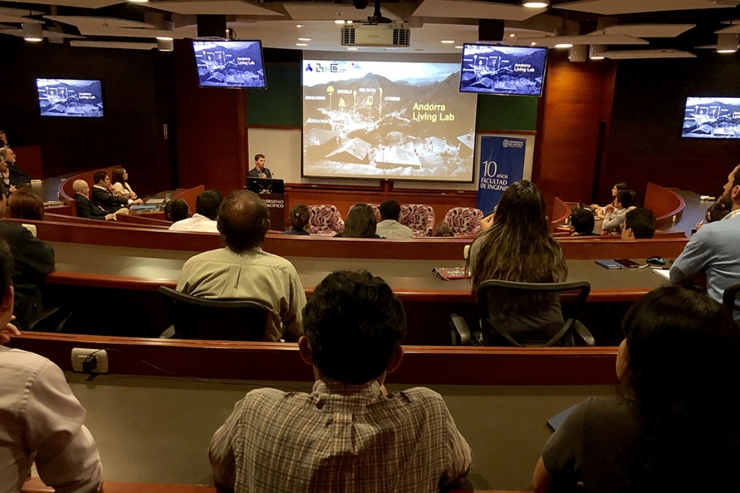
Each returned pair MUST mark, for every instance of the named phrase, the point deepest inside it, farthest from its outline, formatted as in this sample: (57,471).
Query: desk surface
(102,265)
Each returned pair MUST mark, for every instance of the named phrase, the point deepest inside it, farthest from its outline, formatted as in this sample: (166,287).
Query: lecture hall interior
(613,108)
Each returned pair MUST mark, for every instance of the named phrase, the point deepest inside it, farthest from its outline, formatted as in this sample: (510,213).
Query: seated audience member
(16,177)
(243,270)
(715,248)
(389,227)
(615,214)
(23,205)
(121,185)
(33,260)
(299,216)
(639,224)
(85,207)
(442,229)
(104,195)
(515,245)
(360,223)
(583,222)
(43,422)
(601,211)
(177,210)
(675,426)
(349,434)
(206,212)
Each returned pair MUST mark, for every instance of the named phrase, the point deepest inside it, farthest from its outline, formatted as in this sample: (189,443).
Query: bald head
(81,187)
(243,221)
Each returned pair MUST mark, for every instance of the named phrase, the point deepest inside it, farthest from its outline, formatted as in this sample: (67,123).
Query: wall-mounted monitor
(711,118)
(229,64)
(70,98)
(387,120)
(496,69)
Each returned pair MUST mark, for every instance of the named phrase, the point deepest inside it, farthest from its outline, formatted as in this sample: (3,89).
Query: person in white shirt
(42,421)
(206,212)
(389,227)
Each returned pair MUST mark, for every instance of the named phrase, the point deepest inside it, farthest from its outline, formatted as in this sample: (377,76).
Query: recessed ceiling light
(33,33)
(339,21)
(299,25)
(563,46)
(301,44)
(304,39)
(350,22)
(351,48)
(448,41)
(533,43)
(164,38)
(459,47)
(138,1)
(512,35)
(597,57)
(535,4)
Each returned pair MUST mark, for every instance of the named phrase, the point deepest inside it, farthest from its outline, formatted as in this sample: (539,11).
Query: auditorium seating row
(463,221)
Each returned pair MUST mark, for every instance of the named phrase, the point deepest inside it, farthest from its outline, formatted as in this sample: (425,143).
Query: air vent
(401,37)
(347,36)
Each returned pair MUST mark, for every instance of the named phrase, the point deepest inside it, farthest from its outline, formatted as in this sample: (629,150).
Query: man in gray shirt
(389,227)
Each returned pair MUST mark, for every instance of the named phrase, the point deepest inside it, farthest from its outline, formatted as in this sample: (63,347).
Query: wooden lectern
(272,191)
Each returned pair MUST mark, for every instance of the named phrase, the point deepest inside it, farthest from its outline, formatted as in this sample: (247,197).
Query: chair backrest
(325,219)
(464,221)
(530,314)
(227,320)
(374,207)
(418,217)
(729,297)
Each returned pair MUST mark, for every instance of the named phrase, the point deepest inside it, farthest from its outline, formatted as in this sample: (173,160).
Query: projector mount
(377,18)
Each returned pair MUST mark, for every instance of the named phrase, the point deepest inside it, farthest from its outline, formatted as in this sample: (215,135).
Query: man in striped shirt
(349,434)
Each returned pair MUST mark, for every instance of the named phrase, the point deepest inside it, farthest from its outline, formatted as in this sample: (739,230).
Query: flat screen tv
(711,118)
(70,97)
(496,69)
(229,64)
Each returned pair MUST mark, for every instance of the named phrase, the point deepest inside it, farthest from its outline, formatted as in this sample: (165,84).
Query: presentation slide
(70,97)
(397,120)
(495,69)
(712,118)
(229,64)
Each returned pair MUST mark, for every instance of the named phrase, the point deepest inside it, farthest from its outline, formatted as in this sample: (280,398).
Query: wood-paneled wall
(576,97)
(211,141)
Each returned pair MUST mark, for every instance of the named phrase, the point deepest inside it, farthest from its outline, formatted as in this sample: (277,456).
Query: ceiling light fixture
(304,39)
(726,43)
(563,46)
(165,44)
(300,25)
(301,44)
(536,4)
(596,52)
(448,41)
(352,48)
(339,21)
(512,35)
(138,1)
(459,47)
(33,33)
(533,43)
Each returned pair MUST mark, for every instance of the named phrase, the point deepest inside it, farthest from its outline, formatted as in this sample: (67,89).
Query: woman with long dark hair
(360,223)
(119,180)
(517,246)
(676,426)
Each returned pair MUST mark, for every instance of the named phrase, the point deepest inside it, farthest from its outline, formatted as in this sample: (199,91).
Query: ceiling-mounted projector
(375,35)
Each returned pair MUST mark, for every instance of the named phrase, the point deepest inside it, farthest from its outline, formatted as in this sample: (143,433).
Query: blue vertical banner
(501,163)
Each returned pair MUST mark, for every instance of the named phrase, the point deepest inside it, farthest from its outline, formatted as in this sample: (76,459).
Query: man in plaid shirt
(349,434)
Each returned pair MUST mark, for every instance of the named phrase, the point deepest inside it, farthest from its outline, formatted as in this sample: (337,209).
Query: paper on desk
(663,273)
(155,201)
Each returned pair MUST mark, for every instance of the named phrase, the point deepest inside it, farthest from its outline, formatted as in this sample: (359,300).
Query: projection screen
(395,120)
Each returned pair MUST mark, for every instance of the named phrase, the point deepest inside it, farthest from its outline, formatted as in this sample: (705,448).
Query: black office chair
(510,313)
(227,320)
(729,297)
